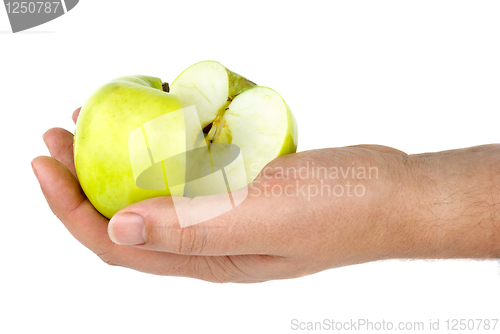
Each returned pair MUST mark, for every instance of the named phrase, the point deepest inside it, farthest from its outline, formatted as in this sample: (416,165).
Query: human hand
(286,227)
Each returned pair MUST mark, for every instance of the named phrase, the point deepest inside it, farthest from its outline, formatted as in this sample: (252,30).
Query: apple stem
(166,87)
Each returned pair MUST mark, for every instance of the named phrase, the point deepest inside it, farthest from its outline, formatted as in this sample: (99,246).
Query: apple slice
(235,110)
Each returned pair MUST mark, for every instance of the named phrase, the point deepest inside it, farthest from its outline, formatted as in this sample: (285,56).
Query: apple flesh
(234,110)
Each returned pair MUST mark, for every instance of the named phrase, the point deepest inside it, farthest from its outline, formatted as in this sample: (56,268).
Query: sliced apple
(235,110)
(136,140)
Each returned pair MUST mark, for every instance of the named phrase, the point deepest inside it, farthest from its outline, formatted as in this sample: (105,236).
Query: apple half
(235,110)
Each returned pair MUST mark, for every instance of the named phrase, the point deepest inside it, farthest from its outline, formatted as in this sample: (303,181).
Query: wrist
(451,204)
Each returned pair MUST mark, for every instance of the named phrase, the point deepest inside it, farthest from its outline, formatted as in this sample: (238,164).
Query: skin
(427,206)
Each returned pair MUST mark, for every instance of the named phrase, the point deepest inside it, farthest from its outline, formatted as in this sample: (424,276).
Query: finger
(75,115)
(68,202)
(240,268)
(246,229)
(162,263)
(380,148)
(60,145)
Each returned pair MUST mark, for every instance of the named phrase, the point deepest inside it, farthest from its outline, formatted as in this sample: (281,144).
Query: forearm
(452,204)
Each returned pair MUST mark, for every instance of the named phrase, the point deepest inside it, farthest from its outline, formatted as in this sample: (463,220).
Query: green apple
(231,110)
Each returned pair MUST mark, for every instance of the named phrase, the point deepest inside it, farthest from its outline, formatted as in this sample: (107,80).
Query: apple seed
(207,128)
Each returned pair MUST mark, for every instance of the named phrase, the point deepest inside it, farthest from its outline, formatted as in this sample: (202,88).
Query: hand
(306,212)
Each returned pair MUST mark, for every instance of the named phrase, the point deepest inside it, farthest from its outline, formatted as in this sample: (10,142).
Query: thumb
(155,224)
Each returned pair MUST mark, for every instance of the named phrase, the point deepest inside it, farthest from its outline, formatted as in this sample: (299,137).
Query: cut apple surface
(235,110)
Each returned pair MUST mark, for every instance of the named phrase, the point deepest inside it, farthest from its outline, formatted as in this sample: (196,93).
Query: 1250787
(32,7)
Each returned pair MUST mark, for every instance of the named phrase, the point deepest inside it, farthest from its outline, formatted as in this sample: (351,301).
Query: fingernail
(34,170)
(127,229)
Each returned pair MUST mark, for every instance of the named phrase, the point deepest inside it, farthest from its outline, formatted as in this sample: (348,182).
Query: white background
(420,76)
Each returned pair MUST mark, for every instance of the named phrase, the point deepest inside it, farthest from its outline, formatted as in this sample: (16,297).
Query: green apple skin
(292,134)
(103,128)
